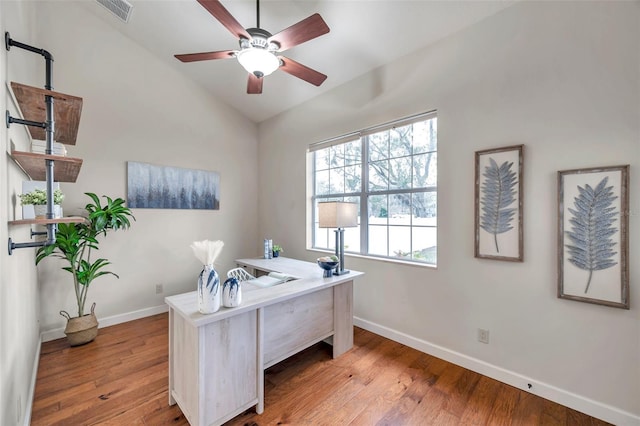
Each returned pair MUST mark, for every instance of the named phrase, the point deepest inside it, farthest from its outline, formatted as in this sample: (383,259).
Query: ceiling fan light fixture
(259,49)
(258,61)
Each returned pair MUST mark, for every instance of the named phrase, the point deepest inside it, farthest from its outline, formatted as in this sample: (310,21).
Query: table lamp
(339,215)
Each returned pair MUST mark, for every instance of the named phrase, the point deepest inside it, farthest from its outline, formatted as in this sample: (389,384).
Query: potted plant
(38,198)
(75,243)
(276,250)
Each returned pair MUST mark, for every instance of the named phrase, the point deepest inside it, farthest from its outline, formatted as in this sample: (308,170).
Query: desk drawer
(292,325)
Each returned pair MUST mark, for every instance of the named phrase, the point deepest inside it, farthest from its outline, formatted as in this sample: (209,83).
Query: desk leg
(260,360)
(342,318)
(171,400)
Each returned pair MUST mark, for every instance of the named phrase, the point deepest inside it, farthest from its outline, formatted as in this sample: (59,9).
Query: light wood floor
(121,379)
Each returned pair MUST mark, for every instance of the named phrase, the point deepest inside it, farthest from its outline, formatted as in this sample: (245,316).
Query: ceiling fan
(259,50)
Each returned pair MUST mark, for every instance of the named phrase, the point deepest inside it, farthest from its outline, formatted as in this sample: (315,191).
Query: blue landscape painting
(160,187)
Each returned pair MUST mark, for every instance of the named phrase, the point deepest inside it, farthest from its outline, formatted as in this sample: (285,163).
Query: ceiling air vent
(121,8)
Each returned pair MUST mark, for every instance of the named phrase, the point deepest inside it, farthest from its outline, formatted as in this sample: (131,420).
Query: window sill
(376,258)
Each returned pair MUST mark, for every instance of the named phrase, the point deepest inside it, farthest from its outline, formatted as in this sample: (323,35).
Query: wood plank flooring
(121,379)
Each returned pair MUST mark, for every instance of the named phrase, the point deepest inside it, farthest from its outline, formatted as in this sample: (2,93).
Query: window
(391,173)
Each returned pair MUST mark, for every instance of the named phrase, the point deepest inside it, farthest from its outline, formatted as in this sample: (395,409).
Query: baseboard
(28,407)
(577,402)
(58,333)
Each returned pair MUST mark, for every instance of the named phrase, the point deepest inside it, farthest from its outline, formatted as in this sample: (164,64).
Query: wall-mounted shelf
(68,219)
(34,164)
(67,112)
(50,124)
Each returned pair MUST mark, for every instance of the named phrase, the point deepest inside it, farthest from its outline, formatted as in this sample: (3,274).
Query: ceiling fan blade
(303,72)
(221,14)
(305,30)
(205,56)
(254,85)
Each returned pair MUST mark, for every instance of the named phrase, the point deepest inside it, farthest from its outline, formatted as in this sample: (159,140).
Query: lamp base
(346,271)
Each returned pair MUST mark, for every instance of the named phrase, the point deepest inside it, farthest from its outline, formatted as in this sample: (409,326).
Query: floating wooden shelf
(68,219)
(66,112)
(66,169)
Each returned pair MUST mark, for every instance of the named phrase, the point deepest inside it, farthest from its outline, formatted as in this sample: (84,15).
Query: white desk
(217,361)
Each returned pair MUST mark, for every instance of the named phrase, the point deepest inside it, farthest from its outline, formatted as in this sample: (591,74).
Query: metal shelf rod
(13,246)
(49,127)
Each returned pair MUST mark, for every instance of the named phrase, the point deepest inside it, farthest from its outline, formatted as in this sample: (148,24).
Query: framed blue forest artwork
(498,204)
(593,235)
(160,187)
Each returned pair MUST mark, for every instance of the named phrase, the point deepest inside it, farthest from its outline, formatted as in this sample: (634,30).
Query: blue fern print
(498,193)
(592,220)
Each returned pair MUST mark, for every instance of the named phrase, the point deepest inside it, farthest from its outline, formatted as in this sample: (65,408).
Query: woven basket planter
(81,330)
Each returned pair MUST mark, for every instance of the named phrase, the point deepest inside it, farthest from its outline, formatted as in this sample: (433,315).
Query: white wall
(562,78)
(19,300)
(137,108)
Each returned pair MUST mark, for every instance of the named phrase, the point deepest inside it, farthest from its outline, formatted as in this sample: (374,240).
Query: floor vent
(121,8)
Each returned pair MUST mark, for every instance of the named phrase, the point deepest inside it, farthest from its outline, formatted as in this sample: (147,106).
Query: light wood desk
(217,361)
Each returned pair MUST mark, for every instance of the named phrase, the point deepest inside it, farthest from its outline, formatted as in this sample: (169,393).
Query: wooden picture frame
(593,235)
(498,203)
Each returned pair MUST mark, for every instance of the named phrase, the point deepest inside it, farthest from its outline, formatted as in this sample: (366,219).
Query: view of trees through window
(392,175)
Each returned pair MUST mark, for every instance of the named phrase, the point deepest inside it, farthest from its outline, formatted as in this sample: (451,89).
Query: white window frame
(364,193)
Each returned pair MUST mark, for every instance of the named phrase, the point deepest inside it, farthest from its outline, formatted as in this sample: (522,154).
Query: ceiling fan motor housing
(259,39)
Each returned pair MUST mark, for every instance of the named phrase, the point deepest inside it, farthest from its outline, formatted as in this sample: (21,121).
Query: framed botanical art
(593,243)
(498,204)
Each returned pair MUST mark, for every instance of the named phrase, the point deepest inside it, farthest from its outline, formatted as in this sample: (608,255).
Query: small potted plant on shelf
(276,250)
(75,243)
(38,198)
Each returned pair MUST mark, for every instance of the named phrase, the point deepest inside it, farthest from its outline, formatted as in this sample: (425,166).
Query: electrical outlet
(483,335)
(159,289)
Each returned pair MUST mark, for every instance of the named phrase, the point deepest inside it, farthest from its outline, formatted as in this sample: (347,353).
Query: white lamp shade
(257,59)
(337,214)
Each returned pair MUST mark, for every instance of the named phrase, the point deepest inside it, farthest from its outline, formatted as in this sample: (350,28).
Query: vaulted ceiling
(364,35)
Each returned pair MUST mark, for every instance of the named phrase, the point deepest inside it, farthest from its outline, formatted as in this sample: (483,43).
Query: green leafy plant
(277,249)
(39,197)
(76,241)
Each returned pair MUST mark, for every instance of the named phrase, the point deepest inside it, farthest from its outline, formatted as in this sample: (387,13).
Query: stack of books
(40,147)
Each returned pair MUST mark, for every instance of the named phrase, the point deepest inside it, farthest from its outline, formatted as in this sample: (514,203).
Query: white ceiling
(364,35)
